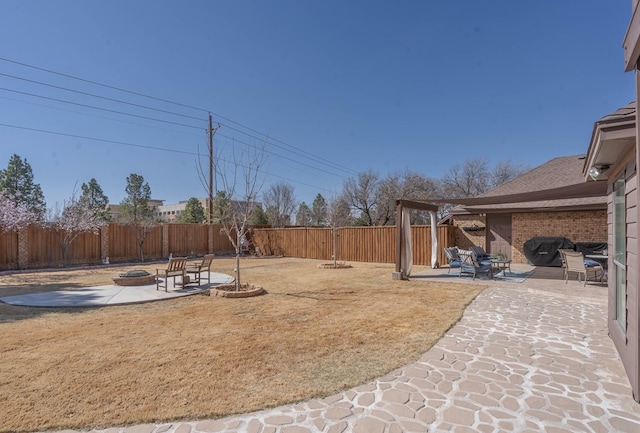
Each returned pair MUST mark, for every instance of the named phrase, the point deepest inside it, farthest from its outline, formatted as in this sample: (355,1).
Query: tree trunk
(335,252)
(237,270)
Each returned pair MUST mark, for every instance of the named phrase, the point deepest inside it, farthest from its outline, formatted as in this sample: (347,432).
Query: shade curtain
(434,239)
(406,256)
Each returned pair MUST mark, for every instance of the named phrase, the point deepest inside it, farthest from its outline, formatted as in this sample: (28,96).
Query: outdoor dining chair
(175,268)
(200,269)
(574,261)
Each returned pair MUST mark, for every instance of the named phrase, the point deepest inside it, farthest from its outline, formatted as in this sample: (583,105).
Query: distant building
(116,214)
(171,212)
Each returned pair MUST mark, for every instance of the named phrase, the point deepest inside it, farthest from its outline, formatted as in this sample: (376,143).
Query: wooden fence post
(165,240)
(210,238)
(23,248)
(104,241)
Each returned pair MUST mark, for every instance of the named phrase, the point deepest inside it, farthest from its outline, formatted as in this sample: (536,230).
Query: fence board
(357,244)
(188,239)
(8,250)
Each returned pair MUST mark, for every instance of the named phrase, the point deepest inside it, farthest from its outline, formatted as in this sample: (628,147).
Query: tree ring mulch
(332,266)
(229,291)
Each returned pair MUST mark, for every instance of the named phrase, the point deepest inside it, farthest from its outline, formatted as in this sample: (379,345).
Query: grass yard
(316,332)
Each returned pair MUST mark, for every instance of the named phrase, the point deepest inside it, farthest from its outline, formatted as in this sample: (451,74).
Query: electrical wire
(199,155)
(98,108)
(93,95)
(290,148)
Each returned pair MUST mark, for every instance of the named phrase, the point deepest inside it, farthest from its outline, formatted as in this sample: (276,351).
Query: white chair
(574,262)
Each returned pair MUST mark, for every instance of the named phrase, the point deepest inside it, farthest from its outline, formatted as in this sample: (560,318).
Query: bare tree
(337,215)
(476,177)
(242,181)
(376,197)
(76,217)
(280,203)
(405,185)
(361,194)
(506,170)
(468,180)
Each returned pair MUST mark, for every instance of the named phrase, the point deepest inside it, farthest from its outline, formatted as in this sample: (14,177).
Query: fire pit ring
(134,278)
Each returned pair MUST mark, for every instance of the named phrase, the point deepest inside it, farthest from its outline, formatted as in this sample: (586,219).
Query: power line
(296,150)
(99,96)
(175,123)
(51,107)
(98,108)
(101,84)
(104,140)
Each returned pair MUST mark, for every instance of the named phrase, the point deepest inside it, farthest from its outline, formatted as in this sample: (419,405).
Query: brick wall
(577,226)
(463,238)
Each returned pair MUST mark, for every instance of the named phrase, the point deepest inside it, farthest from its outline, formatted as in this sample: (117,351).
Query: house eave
(631,42)
(610,140)
(535,209)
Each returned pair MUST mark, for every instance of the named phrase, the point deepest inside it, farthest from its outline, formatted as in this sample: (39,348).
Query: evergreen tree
(258,217)
(136,211)
(319,211)
(221,205)
(193,212)
(95,199)
(16,181)
(303,217)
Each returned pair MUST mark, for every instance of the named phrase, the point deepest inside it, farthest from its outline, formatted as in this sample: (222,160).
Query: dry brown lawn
(316,332)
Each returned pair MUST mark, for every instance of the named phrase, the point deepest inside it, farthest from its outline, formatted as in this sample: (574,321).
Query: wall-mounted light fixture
(597,170)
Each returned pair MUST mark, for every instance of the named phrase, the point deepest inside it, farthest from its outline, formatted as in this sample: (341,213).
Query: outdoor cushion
(590,263)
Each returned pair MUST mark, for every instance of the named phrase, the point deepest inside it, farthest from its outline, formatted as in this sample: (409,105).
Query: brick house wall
(464,239)
(577,226)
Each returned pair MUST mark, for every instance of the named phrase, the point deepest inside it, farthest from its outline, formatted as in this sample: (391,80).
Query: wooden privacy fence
(39,247)
(356,244)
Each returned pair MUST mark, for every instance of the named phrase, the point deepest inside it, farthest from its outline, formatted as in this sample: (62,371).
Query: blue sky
(332,87)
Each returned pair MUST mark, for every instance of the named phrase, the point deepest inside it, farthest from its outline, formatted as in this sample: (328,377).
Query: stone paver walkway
(520,360)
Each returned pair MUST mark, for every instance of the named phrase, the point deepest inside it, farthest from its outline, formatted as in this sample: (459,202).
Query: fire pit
(134,278)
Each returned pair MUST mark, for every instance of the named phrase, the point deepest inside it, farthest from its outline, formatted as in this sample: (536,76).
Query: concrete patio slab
(111,295)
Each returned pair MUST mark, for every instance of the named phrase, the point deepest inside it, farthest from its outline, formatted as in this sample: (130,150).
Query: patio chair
(452,258)
(563,259)
(471,265)
(480,253)
(175,268)
(575,262)
(198,269)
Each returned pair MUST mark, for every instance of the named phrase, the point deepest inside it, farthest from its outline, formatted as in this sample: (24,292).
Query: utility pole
(211,131)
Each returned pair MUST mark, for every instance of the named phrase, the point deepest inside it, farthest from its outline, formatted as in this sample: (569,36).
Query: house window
(620,252)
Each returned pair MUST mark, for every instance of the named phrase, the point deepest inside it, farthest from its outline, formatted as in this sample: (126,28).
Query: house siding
(627,341)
